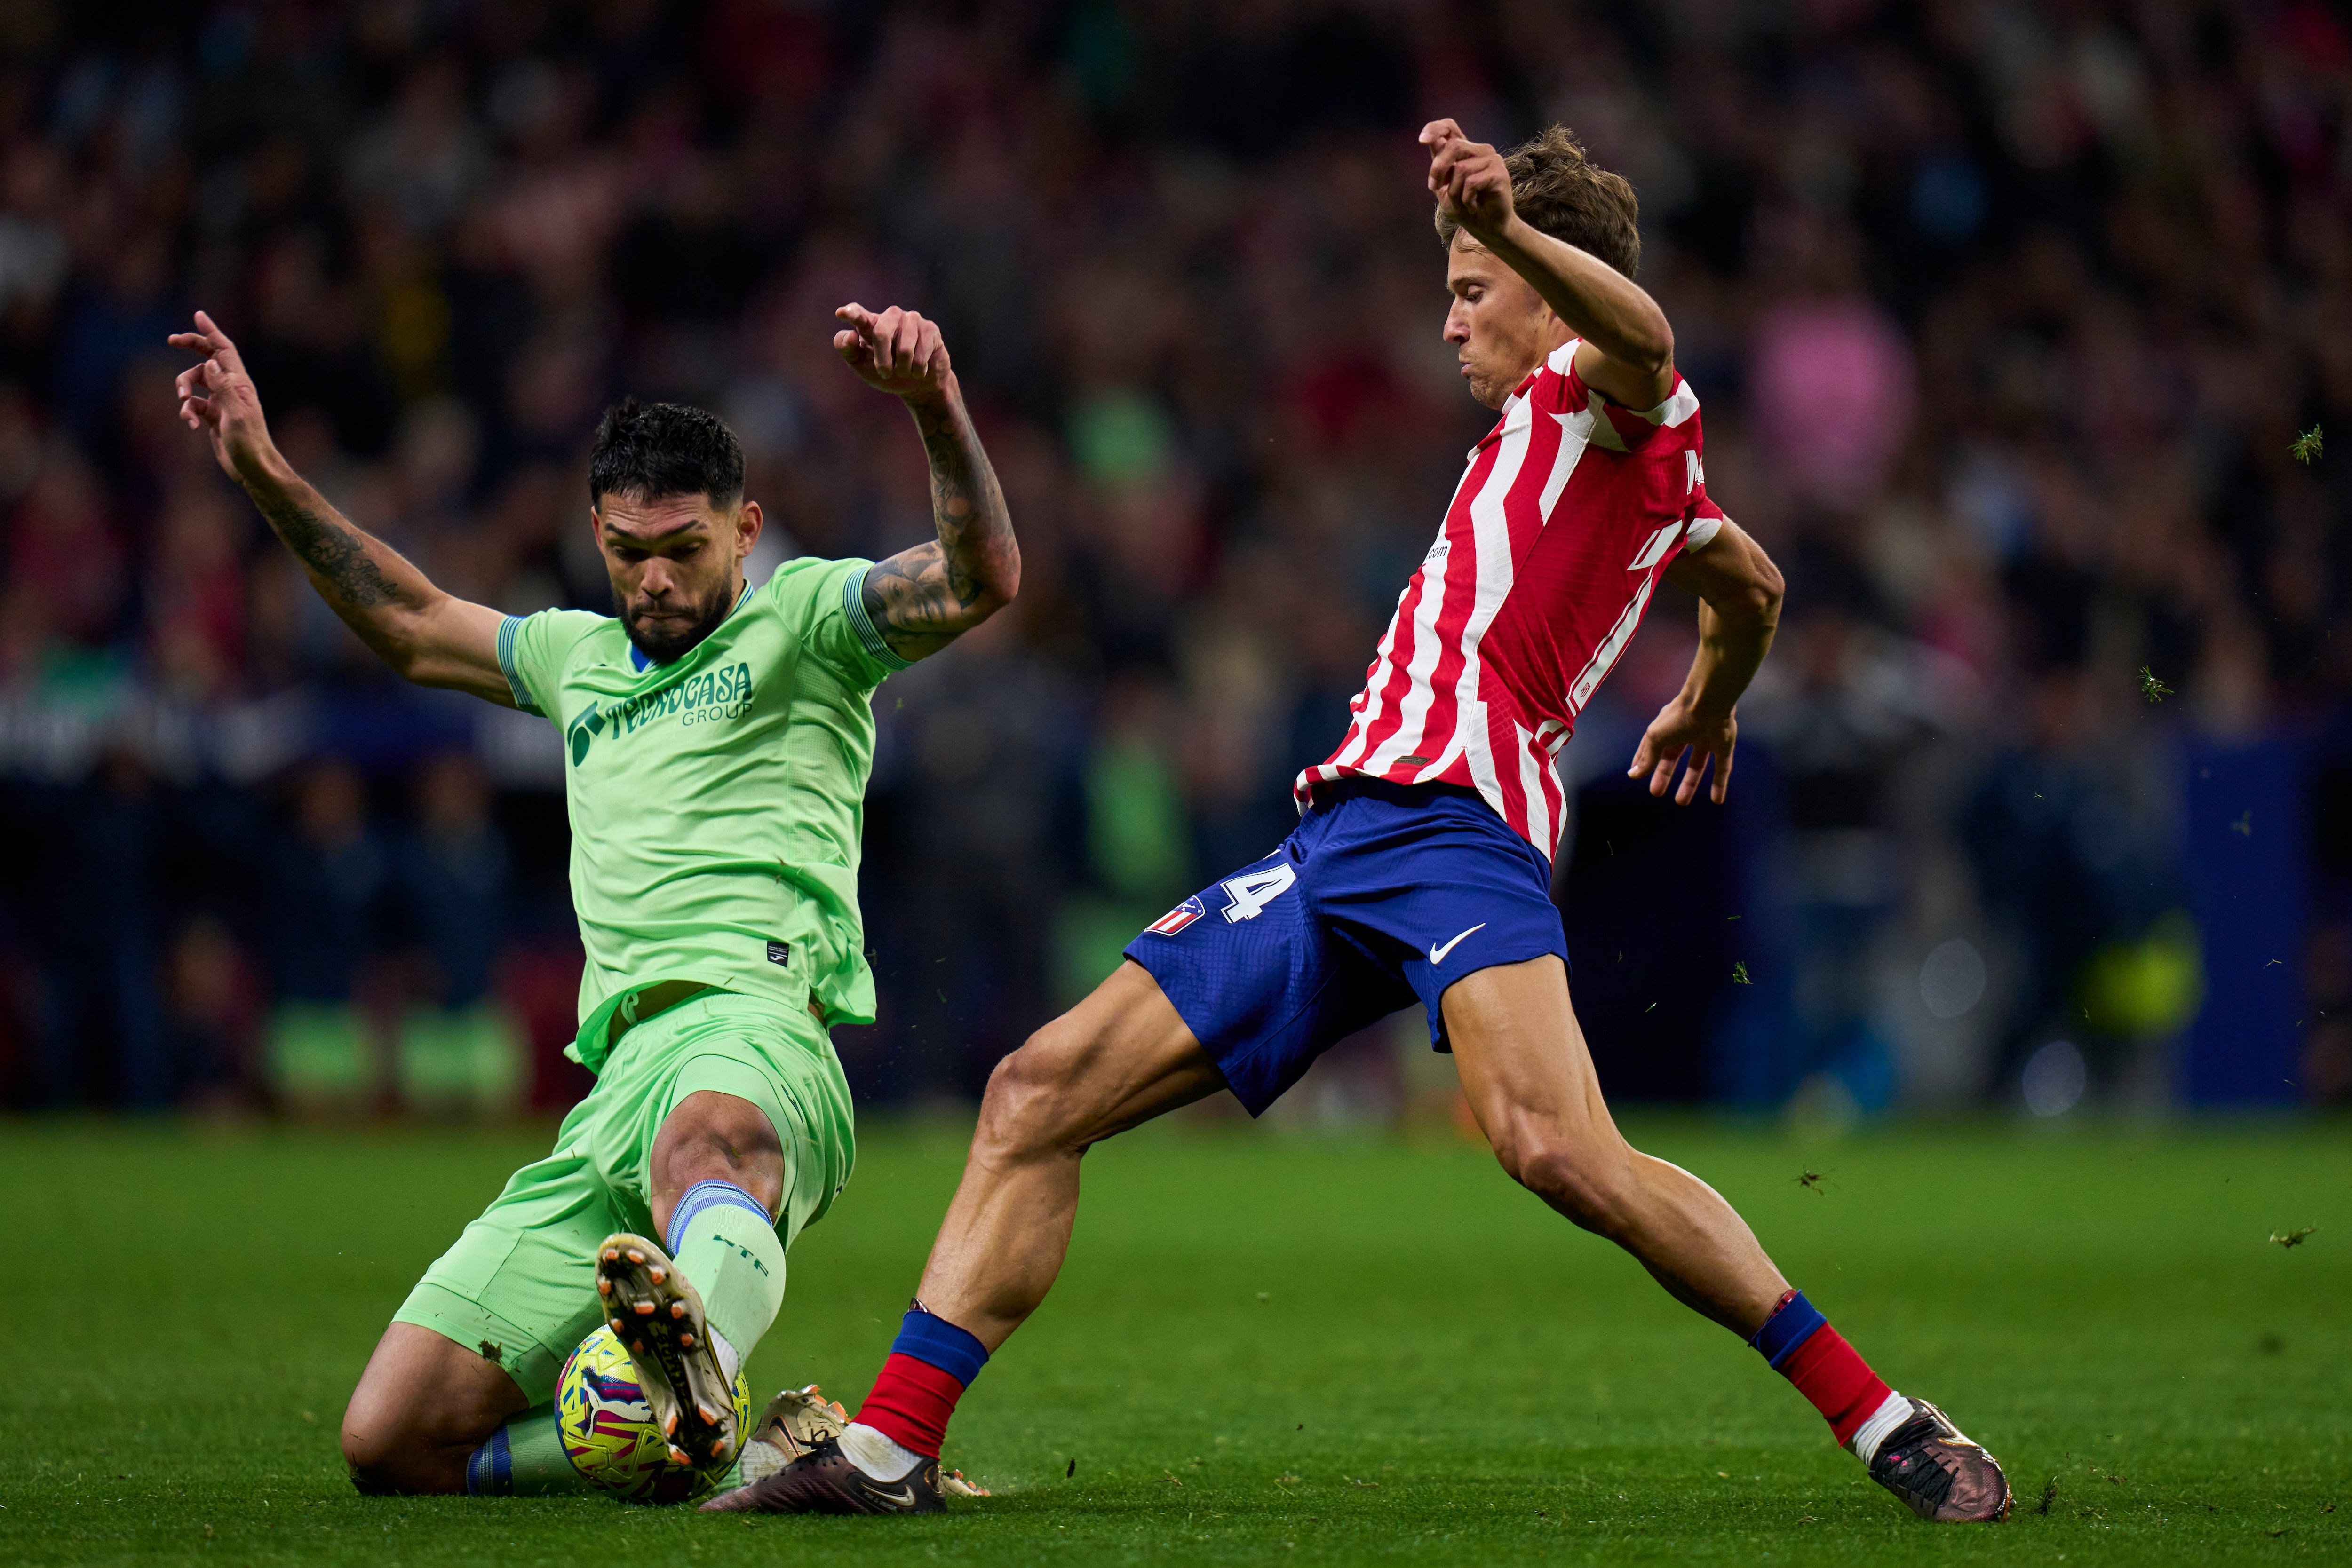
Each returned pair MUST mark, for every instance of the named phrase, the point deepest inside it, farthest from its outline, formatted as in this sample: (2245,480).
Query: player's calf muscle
(1591,1182)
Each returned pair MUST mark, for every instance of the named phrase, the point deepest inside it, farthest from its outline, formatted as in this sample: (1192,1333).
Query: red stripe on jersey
(1566,514)
(1420,631)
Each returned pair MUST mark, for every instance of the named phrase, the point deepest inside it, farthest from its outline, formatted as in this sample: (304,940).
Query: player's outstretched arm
(1629,349)
(1739,590)
(922,599)
(426,636)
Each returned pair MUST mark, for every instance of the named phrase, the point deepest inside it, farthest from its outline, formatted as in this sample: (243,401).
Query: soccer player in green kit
(718,737)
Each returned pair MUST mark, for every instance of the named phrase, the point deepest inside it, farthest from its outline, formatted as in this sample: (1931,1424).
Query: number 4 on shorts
(1254,890)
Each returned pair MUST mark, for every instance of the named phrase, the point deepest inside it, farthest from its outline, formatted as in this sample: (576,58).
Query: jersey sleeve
(1561,389)
(1706,518)
(827,599)
(532,650)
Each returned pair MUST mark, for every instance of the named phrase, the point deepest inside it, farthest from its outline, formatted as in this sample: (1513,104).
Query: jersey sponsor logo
(706,698)
(1178,918)
(720,694)
(584,731)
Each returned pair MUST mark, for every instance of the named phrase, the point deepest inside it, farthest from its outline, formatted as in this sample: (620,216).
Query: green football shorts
(519,1286)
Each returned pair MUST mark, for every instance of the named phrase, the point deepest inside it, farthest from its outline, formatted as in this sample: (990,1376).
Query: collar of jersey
(1502,415)
(639,663)
(1527,382)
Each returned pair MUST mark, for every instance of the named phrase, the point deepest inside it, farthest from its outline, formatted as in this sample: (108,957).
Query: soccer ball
(608,1428)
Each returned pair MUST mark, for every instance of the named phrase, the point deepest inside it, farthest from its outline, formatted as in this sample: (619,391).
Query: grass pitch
(1280,1349)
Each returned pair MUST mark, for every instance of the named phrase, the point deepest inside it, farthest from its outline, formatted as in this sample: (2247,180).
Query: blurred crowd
(2006,317)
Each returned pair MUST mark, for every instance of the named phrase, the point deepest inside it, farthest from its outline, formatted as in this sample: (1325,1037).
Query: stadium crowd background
(2005,317)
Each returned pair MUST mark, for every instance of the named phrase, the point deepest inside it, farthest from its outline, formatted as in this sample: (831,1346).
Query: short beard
(668,647)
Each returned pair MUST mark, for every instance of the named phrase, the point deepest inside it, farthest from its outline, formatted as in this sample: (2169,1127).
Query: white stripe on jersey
(1677,407)
(1657,546)
(1490,556)
(1413,714)
(1596,669)
(1539,829)
(1496,575)
(1376,684)
(1575,433)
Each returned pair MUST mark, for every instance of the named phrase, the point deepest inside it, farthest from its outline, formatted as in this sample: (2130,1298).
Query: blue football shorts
(1383,894)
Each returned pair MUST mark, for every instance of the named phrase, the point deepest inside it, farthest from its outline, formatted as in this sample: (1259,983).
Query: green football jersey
(717,803)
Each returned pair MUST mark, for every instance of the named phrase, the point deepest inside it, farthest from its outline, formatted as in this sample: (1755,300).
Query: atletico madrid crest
(1178,918)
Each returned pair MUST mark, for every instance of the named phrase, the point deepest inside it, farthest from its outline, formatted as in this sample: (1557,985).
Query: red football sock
(1802,1347)
(911,1403)
(1827,1371)
(930,1364)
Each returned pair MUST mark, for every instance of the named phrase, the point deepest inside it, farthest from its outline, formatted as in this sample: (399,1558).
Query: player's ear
(748,521)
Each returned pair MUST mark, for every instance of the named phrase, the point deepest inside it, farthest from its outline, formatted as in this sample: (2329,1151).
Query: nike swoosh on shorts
(1437,955)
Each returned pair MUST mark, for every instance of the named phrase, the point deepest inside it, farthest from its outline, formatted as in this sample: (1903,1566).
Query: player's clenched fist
(1468,177)
(898,351)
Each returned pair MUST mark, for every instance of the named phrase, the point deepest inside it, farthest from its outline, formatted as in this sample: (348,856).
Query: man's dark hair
(1567,196)
(650,450)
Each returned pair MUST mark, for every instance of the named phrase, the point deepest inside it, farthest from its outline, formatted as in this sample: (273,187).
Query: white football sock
(879,1454)
(730,1360)
(1891,1413)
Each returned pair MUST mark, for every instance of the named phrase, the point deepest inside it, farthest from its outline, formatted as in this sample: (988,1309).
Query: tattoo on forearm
(932,589)
(334,549)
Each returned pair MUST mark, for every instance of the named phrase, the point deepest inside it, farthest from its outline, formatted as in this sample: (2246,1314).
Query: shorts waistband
(1330,795)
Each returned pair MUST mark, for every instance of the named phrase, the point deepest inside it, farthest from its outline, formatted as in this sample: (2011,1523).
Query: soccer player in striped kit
(1420,866)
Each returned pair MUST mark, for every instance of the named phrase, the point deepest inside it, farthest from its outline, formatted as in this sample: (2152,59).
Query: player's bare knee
(360,1457)
(1027,1111)
(716,1131)
(1016,1114)
(710,1137)
(373,1466)
(386,1455)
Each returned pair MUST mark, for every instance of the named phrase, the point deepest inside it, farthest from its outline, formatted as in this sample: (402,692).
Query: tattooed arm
(426,636)
(922,599)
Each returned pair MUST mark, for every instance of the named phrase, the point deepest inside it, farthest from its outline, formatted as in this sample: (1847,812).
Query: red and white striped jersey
(1569,511)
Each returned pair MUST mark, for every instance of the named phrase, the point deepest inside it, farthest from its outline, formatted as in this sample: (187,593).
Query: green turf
(1265,1348)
